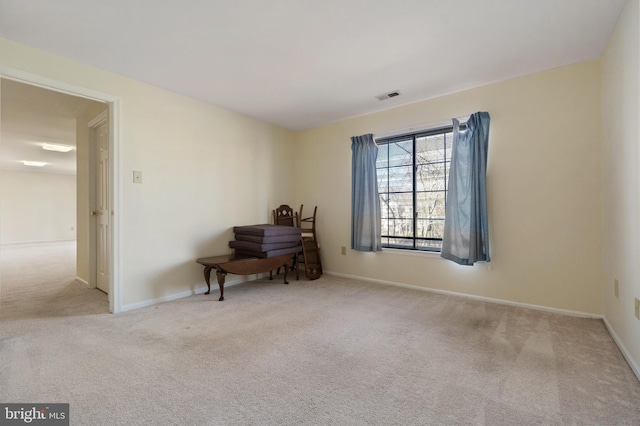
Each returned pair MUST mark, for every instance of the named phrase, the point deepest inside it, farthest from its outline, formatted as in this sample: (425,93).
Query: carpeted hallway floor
(326,352)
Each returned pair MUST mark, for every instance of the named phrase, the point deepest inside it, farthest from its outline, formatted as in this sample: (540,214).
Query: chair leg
(311,253)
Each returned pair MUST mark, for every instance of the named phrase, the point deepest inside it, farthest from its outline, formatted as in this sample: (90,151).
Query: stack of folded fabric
(266,240)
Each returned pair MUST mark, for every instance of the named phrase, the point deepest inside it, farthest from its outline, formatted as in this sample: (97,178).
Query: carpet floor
(333,351)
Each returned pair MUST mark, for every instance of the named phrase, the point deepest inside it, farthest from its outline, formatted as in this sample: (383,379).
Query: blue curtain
(466,227)
(365,202)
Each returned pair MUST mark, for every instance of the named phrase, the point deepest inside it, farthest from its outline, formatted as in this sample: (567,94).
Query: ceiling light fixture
(34,163)
(57,147)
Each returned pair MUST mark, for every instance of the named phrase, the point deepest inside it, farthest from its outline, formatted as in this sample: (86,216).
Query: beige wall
(36,207)
(543,191)
(621,179)
(205,169)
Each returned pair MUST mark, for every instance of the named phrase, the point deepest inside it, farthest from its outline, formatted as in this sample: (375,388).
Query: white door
(102,210)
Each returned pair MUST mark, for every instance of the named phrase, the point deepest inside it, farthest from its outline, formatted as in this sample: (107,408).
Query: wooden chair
(310,256)
(285,216)
(308,224)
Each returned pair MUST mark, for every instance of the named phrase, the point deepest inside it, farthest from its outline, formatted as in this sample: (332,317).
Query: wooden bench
(229,264)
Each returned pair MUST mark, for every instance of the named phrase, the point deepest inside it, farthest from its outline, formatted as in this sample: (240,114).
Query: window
(413,173)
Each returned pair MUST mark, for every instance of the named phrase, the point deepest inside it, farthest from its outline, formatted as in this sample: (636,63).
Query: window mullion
(415,196)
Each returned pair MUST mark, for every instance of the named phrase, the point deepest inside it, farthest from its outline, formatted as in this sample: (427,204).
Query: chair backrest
(308,224)
(285,216)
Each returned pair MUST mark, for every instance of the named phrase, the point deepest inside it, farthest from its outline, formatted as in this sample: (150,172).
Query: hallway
(38,280)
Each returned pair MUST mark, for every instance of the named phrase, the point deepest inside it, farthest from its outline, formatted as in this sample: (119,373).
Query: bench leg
(207,276)
(221,276)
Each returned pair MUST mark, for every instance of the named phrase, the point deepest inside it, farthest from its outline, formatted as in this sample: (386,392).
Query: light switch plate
(137,176)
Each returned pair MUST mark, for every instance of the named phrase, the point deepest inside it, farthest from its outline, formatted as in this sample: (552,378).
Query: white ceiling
(32,116)
(304,63)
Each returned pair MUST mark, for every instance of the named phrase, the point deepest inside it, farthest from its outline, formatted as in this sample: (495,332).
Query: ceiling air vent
(388,95)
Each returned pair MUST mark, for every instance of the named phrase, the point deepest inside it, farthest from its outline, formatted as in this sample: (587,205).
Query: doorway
(111,279)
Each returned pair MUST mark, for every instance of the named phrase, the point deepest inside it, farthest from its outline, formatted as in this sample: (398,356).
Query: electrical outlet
(343,250)
(637,308)
(615,288)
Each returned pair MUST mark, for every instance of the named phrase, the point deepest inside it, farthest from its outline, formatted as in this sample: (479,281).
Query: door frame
(113,102)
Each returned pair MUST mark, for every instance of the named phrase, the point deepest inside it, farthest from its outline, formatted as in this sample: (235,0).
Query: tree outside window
(413,173)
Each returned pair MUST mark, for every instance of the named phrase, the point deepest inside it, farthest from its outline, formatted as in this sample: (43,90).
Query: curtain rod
(418,128)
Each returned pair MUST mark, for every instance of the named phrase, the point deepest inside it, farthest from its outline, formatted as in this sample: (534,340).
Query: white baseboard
(474,297)
(81,281)
(243,279)
(623,349)
(200,290)
(20,243)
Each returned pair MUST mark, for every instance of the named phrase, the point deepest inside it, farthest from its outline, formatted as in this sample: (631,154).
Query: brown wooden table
(241,266)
